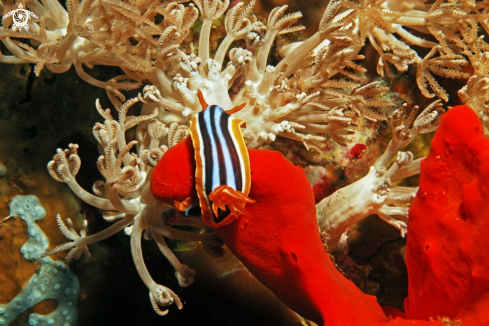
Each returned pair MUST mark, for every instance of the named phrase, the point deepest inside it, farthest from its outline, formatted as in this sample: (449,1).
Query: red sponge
(448,243)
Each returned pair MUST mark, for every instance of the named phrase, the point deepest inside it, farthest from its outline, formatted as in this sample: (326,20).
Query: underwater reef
(287,177)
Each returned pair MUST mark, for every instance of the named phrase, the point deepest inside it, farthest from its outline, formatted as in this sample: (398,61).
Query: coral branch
(159,295)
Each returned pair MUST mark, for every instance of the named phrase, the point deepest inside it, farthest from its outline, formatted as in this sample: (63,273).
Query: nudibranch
(222,173)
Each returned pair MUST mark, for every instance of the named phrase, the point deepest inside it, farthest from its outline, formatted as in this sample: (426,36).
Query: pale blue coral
(54,280)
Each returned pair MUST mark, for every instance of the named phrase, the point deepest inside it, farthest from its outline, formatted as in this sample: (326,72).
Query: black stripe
(233,152)
(206,144)
(220,159)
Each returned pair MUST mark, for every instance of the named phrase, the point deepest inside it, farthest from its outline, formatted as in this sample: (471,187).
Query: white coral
(129,202)
(374,193)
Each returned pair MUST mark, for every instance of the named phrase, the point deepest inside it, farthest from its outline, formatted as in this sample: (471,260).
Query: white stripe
(228,164)
(213,151)
(241,161)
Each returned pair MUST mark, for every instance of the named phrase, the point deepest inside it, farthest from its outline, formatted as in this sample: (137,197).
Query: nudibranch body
(222,172)
(221,164)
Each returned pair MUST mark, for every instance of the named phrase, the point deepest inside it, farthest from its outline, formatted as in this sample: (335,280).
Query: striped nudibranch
(223,176)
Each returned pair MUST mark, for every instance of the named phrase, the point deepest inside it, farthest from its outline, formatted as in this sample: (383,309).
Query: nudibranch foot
(225,196)
(236,109)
